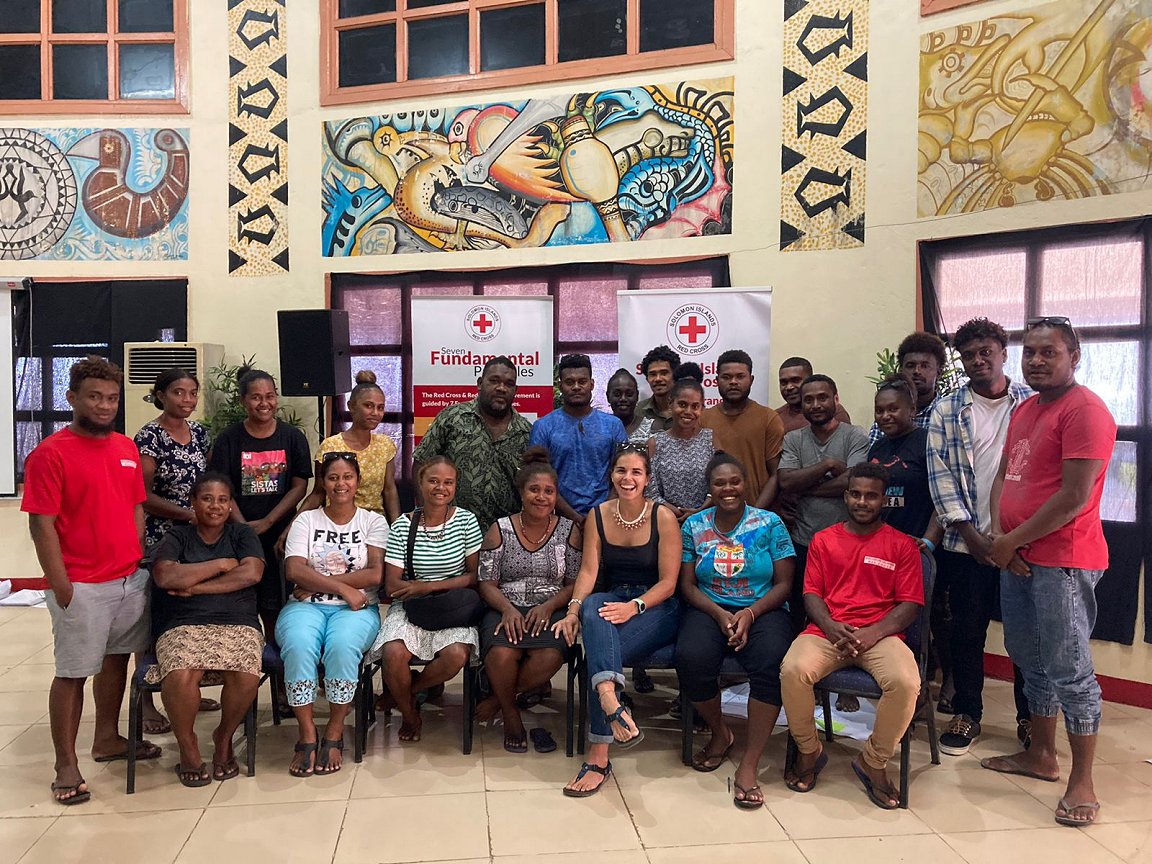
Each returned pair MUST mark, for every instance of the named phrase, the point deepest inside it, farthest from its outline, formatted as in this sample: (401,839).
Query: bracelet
(748,609)
(577,602)
(931,546)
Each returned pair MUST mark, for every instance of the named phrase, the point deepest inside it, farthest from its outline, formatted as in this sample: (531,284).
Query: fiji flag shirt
(736,568)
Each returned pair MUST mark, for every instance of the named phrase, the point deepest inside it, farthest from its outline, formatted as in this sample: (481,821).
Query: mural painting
(1053,102)
(257,138)
(615,166)
(931,7)
(94,194)
(824,130)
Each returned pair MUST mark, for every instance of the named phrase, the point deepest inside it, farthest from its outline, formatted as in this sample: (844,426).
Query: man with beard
(84,496)
(580,440)
(744,428)
(1050,546)
(486,438)
(813,470)
(921,357)
(658,368)
(793,371)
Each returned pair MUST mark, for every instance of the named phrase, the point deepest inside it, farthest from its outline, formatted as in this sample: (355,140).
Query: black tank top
(630,565)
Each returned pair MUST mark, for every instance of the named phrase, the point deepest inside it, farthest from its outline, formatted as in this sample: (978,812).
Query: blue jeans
(1048,619)
(611,647)
(313,633)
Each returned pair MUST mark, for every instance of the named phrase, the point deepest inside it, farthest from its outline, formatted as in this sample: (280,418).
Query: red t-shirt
(1041,435)
(92,487)
(862,579)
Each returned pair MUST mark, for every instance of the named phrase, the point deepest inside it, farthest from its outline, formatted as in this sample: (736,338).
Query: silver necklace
(631,525)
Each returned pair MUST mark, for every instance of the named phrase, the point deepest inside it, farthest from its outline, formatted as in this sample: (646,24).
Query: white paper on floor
(26,597)
(856,725)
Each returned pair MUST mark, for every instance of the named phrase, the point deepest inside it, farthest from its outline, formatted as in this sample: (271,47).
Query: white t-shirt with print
(332,550)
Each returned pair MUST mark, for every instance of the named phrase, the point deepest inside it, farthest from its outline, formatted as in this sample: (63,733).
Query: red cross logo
(483,323)
(693,329)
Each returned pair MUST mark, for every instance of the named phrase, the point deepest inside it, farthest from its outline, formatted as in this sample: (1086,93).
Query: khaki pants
(889,661)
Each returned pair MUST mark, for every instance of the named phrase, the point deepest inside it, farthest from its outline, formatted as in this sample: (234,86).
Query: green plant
(950,377)
(223,400)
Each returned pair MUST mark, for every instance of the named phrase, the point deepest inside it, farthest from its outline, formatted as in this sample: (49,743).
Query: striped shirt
(951,474)
(440,553)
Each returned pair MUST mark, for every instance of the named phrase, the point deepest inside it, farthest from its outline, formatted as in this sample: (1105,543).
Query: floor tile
(880,850)
(18,835)
(33,745)
(25,706)
(423,828)
(157,788)
(24,791)
(975,799)
(8,734)
(1131,841)
(582,858)
(1122,798)
(153,837)
(1055,845)
(559,824)
(434,765)
(284,833)
(27,676)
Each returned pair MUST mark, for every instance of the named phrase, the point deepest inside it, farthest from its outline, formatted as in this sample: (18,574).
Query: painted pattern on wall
(931,7)
(94,194)
(609,166)
(257,138)
(1053,102)
(824,130)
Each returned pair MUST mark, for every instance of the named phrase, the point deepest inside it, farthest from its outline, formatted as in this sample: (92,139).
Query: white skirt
(423,644)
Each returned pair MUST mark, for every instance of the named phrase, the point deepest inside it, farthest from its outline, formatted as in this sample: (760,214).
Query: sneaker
(1024,732)
(962,731)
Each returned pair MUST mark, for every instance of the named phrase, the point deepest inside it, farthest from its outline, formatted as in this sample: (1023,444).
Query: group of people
(786,538)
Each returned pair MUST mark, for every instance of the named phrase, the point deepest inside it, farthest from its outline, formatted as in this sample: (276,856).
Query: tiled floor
(427,802)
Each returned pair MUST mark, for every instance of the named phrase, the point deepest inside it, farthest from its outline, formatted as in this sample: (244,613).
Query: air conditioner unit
(143,361)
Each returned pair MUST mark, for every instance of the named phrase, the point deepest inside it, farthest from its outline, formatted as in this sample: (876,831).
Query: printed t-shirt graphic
(264,472)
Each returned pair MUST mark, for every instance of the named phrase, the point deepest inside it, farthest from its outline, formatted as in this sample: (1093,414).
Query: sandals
(515,743)
(307,767)
(542,740)
(808,777)
(747,802)
(326,746)
(606,771)
(870,788)
(77,797)
(1092,806)
(705,764)
(225,771)
(144,750)
(617,716)
(193,777)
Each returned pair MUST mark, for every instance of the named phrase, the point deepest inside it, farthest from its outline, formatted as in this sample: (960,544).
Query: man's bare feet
(805,771)
(880,790)
(69,786)
(1028,763)
(487,709)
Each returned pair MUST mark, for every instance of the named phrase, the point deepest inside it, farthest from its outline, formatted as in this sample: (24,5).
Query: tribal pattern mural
(94,194)
(931,7)
(610,166)
(825,124)
(1053,102)
(257,138)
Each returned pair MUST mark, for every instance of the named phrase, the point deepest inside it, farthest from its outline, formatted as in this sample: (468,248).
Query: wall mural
(257,138)
(1053,102)
(94,194)
(931,7)
(825,125)
(611,166)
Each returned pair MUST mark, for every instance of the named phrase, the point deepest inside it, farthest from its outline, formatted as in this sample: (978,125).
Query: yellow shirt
(375,462)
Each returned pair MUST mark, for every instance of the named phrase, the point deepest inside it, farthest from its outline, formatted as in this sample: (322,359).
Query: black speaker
(314,355)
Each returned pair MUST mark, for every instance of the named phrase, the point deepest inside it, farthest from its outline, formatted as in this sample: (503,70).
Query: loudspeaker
(314,355)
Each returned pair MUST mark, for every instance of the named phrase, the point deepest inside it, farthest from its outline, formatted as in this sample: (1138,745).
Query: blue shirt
(581,449)
(737,568)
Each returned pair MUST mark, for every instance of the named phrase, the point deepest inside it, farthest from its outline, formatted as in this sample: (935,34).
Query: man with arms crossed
(84,493)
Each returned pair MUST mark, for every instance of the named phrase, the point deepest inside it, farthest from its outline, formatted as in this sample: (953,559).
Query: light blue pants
(310,634)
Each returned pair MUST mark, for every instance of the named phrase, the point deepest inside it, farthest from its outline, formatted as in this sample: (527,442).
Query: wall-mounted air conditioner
(143,361)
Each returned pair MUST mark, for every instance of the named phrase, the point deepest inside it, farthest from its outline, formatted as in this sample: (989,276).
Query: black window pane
(510,38)
(79,16)
(368,55)
(19,71)
(145,16)
(80,71)
(147,71)
(675,23)
(352,8)
(20,16)
(593,28)
(438,46)
(423,4)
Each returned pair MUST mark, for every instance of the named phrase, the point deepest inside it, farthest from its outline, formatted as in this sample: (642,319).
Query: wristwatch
(640,607)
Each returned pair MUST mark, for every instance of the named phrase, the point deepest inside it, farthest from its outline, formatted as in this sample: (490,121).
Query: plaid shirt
(951,475)
(922,418)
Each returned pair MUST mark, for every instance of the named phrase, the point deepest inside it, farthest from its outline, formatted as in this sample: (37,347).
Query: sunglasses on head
(1049,321)
(631,447)
(902,386)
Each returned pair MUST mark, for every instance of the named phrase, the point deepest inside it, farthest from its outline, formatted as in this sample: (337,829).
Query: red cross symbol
(483,323)
(693,329)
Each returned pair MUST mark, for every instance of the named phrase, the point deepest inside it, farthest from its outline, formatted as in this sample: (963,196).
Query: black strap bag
(456,607)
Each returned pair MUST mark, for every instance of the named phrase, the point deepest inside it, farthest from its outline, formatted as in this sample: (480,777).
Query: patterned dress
(375,462)
(177,467)
(678,469)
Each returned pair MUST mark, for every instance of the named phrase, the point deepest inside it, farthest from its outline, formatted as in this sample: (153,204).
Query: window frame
(722,48)
(48,105)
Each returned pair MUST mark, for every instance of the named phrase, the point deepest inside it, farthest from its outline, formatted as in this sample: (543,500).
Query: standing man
(657,368)
(580,440)
(921,357)
(813,470)
(84,496)
(486,439)
(965,441)
(744,428)
(793,371)
(1050,544)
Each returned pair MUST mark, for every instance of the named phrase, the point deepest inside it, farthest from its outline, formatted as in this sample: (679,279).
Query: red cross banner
(452,339)
(699,326)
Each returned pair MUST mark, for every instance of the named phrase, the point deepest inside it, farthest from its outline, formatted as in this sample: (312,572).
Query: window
(383,49)
(584,295)
(94,56)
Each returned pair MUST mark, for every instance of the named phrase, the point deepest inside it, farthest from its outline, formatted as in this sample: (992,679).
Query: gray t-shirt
(849,444)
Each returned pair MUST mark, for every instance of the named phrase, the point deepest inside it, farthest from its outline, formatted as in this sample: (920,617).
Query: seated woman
(204,617)
(638,543)
(735,579)
(432,559)
(680,454)
(334,557)
(527,568)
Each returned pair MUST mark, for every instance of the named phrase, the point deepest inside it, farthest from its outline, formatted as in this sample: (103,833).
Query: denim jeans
(1048,618)
(610,647)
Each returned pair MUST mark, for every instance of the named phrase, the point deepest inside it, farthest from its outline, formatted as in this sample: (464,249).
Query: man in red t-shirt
(863,587)
(1050,547)
(84,493)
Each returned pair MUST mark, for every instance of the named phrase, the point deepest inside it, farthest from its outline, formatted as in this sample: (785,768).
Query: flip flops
(1012,766)
(542,740)
(304,769)
(326,746)
(1093,806)
(225,771)
(746,803)
(515,743)
(78,798)
(706,764)
(606,771)
(870,788)
(144,750)
(192,777)
(617,716)
(808,777)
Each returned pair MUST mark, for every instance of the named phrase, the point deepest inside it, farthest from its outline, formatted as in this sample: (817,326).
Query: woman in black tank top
(637,545)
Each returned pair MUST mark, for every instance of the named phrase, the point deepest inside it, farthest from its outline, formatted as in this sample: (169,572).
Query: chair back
(916,636)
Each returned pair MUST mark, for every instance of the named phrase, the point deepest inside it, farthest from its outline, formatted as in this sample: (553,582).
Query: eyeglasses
(333,455)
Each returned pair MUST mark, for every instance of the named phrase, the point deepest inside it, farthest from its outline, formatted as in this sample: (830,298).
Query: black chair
(136,721)
(854,681)
(576,718)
